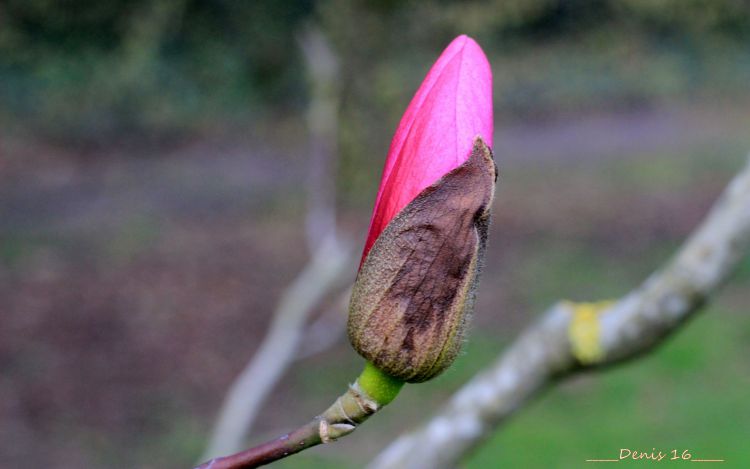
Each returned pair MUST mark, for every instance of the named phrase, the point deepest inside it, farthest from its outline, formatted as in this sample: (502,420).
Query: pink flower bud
(415,287)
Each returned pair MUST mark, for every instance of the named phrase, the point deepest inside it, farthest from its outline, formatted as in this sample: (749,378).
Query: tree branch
(369,393)
(571,337)
(325,271)
(330,259)
(349,410)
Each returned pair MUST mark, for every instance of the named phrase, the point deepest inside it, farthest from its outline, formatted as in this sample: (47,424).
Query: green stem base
(380,387)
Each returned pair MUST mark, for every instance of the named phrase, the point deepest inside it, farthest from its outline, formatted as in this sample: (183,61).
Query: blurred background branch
(555,347)
(278,349)
(322,68)
(331,262)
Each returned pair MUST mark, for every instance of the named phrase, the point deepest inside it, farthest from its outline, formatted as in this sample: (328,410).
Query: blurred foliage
(104,72)
(87,70)
(83,69)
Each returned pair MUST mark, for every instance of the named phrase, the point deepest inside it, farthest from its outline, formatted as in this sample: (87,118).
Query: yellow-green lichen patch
(584,331)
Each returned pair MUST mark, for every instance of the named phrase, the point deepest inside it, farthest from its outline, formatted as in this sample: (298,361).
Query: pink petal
(451,108)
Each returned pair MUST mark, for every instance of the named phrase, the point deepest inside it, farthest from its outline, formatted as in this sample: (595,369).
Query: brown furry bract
(415,290)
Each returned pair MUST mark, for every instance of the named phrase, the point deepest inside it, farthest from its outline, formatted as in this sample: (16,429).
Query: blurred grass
(691,394)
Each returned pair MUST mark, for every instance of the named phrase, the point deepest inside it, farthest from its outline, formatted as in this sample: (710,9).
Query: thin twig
(342,418)
(573,337)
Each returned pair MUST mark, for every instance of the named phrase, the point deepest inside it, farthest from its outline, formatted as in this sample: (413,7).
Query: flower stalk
(369,393)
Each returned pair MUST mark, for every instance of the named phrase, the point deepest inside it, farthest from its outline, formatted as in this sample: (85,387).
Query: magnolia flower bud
(415,287)
(415,290)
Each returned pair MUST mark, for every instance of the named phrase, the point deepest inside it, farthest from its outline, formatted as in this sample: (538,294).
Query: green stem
(382,388)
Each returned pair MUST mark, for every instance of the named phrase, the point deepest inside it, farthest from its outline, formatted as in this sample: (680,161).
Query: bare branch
(572,337)
(330,259)
(369,393)
(326,271)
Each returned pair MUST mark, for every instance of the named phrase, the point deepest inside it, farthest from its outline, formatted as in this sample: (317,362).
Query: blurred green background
(153,159)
